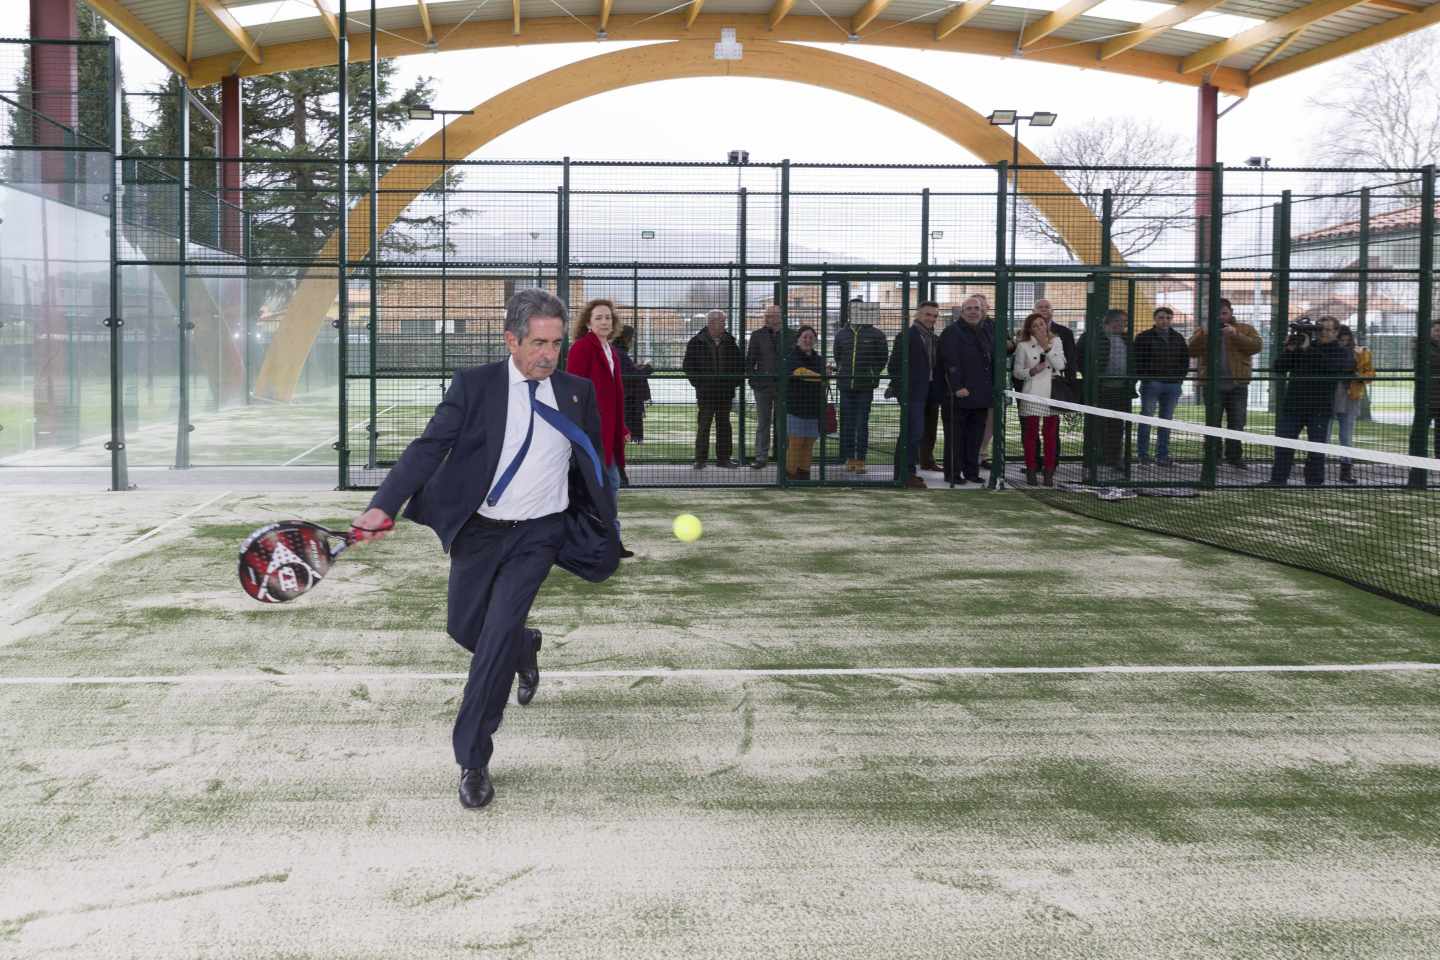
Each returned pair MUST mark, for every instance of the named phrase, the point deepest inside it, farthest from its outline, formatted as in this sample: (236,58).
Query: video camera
(1303,333)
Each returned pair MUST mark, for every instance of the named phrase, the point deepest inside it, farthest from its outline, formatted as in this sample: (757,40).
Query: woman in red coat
(592,357)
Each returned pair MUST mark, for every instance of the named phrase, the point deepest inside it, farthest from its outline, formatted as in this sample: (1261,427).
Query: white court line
(29,599)
(700,672)
(358,426)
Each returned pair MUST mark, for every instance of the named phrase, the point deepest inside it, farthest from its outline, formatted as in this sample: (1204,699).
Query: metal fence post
(342,245)
(1003,295)
(782,433)
(1280,292)
(1424,316)
(740,271)
(183,425)
(1214,340)
(372,433)
(119,464)
(922,282)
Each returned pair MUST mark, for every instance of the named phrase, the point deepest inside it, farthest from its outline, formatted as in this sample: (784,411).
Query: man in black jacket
(966,352)
(914,379)
(1308,368)
(764,354)
(1114,385)
(1070,376)
(860,356)
(713,366)
(1162,359)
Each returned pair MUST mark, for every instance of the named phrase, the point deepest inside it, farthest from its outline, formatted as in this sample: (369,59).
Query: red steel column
(53,80)
(230,146)
(1207,122)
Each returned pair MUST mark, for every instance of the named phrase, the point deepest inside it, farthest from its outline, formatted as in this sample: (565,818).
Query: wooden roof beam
(867,14)
(515,6)
(779,12)
(693,12)
(1278,49)
(1265,32)
(424,20)
(1427,17)
(1394,6)
(190,31)
(131,25)
(1155,26)
(958,16)
(226,21)
(605,6)
(331,23)
(1051,22)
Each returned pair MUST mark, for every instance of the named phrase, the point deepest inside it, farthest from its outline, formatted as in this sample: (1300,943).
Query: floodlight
(422,113)
(1042,118)
(728,48)
(936,234)
(1003,118)
(647,234)
(1257,162)
(739,157)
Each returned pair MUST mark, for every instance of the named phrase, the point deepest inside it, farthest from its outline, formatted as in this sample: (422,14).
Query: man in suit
(508,475)
(913,380)
(1067,343)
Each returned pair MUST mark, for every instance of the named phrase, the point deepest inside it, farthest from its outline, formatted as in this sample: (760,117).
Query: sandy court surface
(1016,816)
(722,820)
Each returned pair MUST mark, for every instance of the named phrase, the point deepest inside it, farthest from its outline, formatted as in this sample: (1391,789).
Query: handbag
(832,421)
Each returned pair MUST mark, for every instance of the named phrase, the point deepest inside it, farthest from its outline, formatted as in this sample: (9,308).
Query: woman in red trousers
(592,357)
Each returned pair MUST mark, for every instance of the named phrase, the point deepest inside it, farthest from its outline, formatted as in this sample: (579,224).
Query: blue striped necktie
(559,421)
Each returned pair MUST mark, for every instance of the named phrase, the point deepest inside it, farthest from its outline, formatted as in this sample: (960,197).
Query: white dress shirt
(609,355)
(541,486)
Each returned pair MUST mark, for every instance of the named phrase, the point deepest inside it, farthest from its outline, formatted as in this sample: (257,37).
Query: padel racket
(284,560)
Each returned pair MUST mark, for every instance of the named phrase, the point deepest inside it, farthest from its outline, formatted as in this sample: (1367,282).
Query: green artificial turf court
(699,774)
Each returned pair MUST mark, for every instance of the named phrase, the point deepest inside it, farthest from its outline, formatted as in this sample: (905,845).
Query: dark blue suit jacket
(966,357)
(445,473)
(923,384)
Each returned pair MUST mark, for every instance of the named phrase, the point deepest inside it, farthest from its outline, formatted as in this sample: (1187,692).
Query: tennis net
(1367,516)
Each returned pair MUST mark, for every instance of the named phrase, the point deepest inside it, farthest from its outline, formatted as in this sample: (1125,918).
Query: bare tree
(1146,199)
(1386,113)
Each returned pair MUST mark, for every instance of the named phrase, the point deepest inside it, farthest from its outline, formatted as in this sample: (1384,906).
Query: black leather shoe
(528,677)
(476,790)
(626,554)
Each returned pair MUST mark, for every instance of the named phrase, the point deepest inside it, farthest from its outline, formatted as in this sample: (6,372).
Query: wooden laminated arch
(305,317)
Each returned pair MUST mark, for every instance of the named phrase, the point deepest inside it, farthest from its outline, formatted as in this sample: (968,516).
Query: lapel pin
(574,398)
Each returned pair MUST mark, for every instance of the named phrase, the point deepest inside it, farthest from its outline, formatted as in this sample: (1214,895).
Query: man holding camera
(1308,368)
(1237,351)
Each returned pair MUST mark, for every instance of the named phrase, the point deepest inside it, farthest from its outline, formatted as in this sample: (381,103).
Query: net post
(1424,316)
(1213,337)
(119,463)
(182,234)
(782,291)
(342,244)
(1003,284)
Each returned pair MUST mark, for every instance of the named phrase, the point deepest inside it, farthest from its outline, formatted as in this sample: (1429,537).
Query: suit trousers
(718,412)
(932,431)
(907,444)
(764,423)
(495,573)
(964,433)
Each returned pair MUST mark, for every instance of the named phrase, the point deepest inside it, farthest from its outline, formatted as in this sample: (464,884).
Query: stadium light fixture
(422,113)
(1262,162)
(936,234)
(1042,118)
(647,234)
(1003,118)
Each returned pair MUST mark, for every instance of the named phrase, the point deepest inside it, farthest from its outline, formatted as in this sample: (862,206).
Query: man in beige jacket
(1237,351)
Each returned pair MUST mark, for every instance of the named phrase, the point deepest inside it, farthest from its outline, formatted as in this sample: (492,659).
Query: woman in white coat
(1039,356)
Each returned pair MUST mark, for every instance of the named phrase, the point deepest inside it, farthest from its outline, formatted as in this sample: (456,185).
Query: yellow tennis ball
(687,527)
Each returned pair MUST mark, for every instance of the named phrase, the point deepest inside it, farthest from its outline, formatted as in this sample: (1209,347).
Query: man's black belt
(485,521)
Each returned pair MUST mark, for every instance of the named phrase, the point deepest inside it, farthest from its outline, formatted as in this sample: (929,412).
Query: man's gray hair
(710,315)
(534,302)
